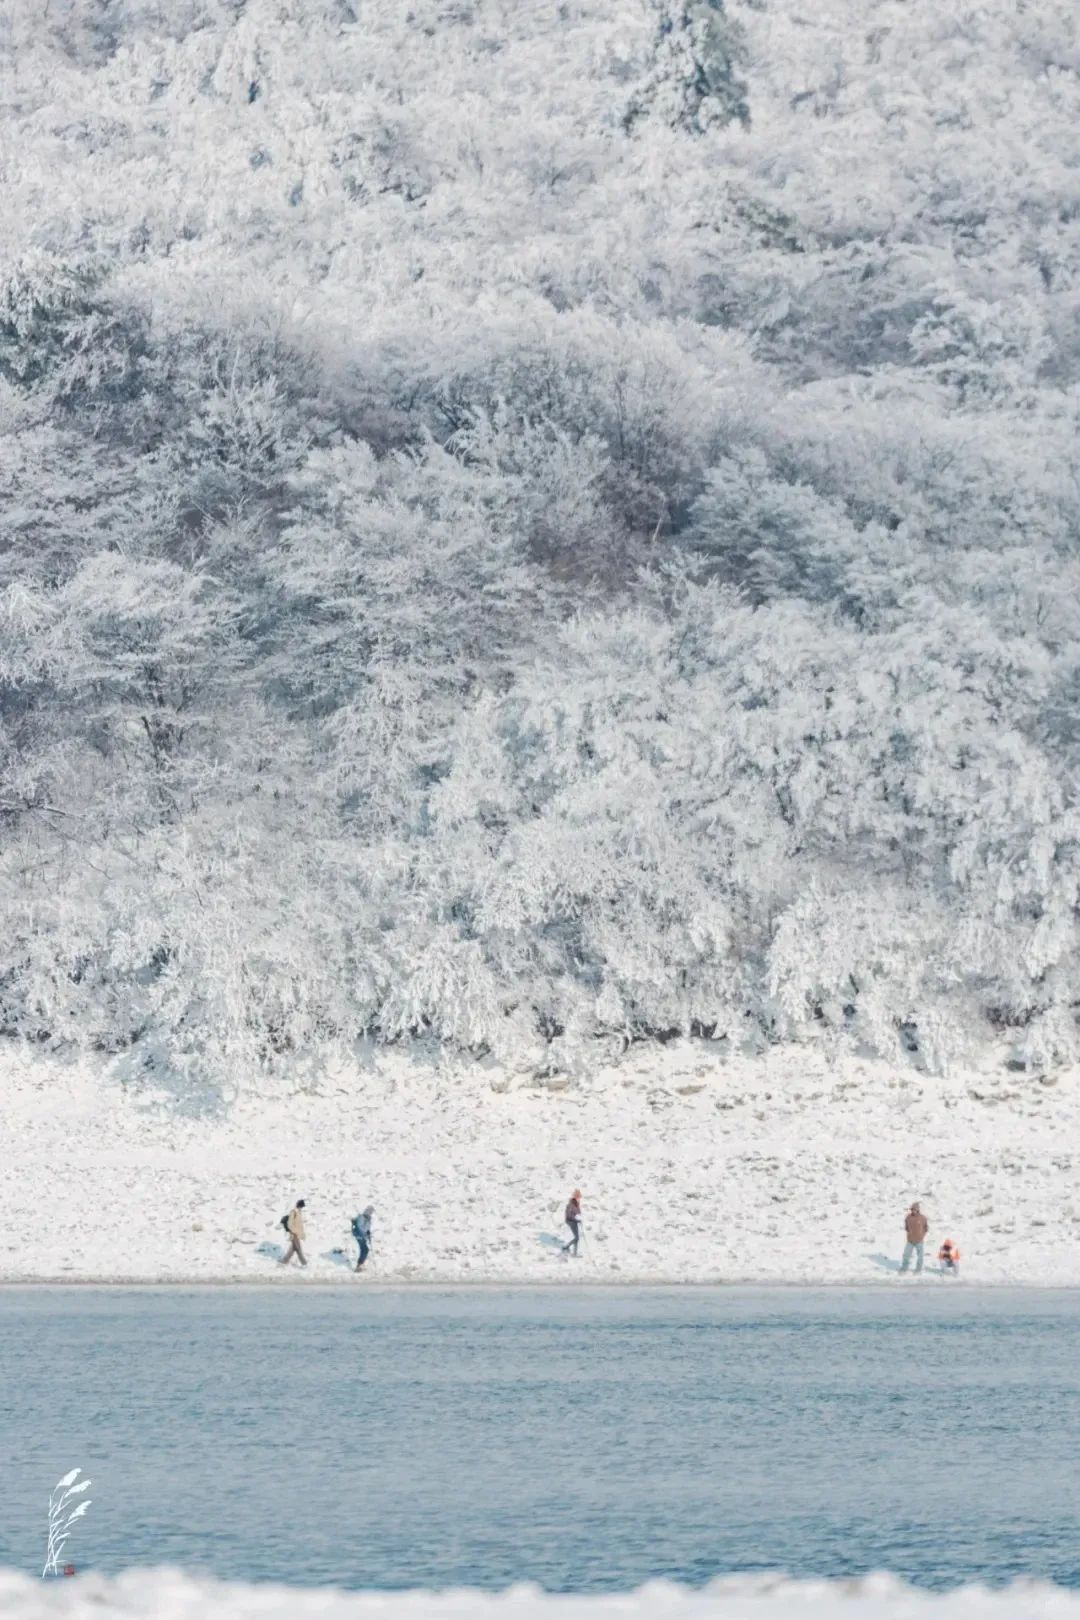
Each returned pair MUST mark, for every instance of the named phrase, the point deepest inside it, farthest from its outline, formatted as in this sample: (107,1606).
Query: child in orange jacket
(949,1256)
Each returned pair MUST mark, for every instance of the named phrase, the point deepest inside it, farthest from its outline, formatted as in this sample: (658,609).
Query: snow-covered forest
(537,524)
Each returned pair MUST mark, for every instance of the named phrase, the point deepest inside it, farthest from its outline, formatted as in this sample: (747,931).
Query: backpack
(285,1221)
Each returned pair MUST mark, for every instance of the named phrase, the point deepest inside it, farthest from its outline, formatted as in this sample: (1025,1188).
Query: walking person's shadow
(550,1241)
(338,1257)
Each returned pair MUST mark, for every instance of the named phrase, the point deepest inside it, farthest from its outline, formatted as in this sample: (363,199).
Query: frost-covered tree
(696,80)
(538,528)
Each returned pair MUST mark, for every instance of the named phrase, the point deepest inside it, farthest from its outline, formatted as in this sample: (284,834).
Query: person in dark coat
(573,1221)
(361,1231)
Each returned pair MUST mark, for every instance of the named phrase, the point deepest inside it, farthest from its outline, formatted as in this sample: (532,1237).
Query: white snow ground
(784,1168)
(165,1595)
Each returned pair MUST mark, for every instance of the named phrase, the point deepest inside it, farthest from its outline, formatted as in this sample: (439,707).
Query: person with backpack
(293,1224)
(916,1227)
(573,1221)
(361,1231)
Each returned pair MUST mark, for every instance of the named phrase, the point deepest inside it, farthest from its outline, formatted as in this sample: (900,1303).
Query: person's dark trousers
(571,1247)
(365,1250)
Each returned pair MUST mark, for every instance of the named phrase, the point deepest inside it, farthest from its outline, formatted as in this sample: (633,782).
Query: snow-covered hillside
(533,525)
(785,1169)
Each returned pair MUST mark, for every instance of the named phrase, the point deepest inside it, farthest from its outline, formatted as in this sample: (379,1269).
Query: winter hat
(300,1204)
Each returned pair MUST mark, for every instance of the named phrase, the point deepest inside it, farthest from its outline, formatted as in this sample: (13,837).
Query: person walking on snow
(293,1223)
(361,1231)
(916,1227)
(573,1221)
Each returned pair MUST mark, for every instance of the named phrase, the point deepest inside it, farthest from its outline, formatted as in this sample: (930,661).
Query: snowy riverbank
(778,1169)
(166,1595)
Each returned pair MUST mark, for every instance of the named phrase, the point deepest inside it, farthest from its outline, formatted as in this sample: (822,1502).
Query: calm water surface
(587,1440)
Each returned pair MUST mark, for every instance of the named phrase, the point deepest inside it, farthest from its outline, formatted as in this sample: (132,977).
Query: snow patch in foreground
(170,1595)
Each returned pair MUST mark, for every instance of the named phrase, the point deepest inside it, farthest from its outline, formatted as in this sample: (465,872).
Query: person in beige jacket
(294,1226)
(916,1227)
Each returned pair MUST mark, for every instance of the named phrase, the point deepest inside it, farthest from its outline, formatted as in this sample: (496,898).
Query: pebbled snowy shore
(167,1595)
(779,1169)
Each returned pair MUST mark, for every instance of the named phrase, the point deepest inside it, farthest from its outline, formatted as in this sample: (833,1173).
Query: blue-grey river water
(584,1439)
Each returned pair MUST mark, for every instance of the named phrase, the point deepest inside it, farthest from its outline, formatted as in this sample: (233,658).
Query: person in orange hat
(949,1256)
(573,1221)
